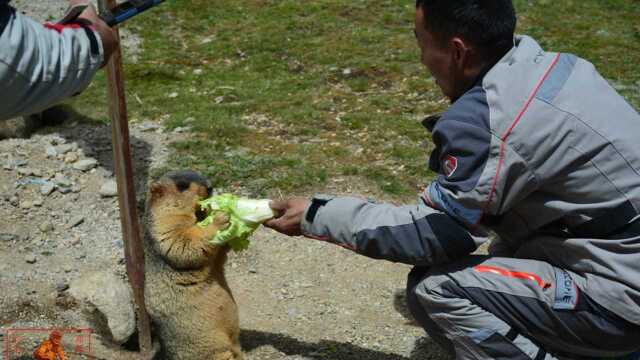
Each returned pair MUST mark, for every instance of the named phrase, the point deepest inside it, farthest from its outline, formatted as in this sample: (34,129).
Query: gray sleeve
(41,65)
(411,234)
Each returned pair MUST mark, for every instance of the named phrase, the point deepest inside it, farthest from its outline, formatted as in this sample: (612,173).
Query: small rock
(65,148)
(46,227)
(347,72)
(62,286)
(7,166)
(148,126)
(38,202)
(179,130)
(14,201)
(75,221)
(173,95)
(51,151)
(86,164)
(47,188)
(20,162)
(62,181)
(30,259)
(26,204)
(71,158)
(8,237)
(109,189)
(25,171)
(64,190)
(68,268)
(111,296)
(197,72)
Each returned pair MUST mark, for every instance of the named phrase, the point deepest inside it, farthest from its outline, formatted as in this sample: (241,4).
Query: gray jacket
(542,151)
(41,65)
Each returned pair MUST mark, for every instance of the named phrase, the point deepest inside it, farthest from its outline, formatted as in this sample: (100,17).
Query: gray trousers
(507,308)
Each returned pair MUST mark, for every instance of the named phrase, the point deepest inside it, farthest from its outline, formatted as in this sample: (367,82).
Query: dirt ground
(298,298)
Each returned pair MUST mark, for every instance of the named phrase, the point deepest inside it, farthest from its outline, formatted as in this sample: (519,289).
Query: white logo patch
(449,165)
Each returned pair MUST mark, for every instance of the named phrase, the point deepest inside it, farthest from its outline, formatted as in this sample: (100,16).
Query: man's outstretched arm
(411,234)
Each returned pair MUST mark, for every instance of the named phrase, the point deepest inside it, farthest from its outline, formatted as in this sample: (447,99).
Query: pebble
(30,259)
(75,221)
(26,204)
(68,268)
(47,188)
(51,151)
(62,181)
(14,201)
(86,164)
(181,129)
(38,202)
(109,189)
(46,227)
(8,237)
(71,158)
(25,171)
(149,127)
(64,190)
(62,286)
(65,148)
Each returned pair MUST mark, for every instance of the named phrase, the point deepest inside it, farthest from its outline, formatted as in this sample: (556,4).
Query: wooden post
(133,250)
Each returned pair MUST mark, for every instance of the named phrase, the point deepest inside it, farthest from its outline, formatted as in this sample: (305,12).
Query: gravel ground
(298,299)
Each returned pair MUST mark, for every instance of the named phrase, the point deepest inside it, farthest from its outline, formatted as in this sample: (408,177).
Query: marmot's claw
(221,220)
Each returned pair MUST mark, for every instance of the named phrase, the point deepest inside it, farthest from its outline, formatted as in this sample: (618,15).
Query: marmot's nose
(184,178)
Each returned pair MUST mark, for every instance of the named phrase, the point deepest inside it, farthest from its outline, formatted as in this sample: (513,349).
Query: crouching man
(537,148)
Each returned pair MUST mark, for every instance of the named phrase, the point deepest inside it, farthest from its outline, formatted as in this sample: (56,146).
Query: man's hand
(288,215)
(107,35)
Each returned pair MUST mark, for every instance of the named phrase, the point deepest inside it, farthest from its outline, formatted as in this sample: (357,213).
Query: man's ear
(460,51)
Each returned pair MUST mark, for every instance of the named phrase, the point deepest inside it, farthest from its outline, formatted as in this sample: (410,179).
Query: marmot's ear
(156,189)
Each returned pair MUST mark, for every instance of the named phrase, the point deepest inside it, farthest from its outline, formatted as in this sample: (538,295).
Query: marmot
(186,293)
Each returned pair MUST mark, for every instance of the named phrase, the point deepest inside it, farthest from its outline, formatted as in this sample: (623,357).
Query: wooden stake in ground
(129,220)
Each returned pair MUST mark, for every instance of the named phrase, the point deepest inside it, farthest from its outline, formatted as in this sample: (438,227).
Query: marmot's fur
(187,296)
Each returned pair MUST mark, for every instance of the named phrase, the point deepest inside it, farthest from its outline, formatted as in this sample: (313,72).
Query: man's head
(458,38)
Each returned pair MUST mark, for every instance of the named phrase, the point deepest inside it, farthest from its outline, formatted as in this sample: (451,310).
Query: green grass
(292,93)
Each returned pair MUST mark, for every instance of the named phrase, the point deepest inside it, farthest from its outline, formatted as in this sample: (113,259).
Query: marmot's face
(178,194)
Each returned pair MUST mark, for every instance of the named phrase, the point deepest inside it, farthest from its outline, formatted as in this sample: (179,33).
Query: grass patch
(285,94)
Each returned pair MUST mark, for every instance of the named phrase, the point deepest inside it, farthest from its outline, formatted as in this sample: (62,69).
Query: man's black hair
(487,24)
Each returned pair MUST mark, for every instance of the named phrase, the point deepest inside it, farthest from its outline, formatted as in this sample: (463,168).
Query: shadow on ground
(425,349)
(95,140)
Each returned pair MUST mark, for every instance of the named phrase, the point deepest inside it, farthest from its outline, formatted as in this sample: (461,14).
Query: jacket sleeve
(411,234)
(480,177)
(41,65)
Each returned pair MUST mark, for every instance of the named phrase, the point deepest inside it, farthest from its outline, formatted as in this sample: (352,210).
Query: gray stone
(46,227)
(14,201)
(62,181)
(71,158)
(51,151)
(64,190)
(109,189)
(26,171)
(8,237)
(38,202)
(86,164)
(111,296)
(62,286)
(47,188)
(30,259)
(26,204)
(65,148)
(149,126)
(75,221)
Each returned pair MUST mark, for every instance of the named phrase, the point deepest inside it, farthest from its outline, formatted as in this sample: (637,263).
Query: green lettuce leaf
(245,216)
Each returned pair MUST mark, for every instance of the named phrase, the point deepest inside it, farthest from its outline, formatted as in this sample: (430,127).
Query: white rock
(111,296)
(86,164)
(109,189)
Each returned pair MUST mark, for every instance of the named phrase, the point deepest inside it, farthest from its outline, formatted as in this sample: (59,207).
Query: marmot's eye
(182,185)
